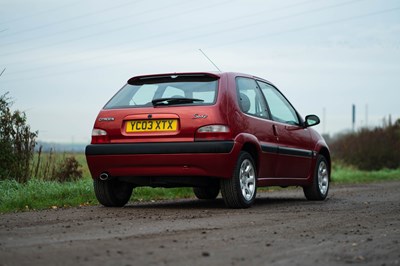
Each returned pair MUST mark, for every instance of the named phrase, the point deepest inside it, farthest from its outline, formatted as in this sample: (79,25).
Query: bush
(17,143)
(54,166)
(370,149)
(68,170)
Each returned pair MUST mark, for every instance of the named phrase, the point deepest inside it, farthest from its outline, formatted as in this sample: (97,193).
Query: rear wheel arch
(251,148)
(250,143)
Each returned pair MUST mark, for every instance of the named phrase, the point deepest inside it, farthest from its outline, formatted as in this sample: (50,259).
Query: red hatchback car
(227,132)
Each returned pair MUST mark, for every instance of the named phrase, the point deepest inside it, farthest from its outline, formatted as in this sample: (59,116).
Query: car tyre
(112,193)
(206,193)
(320,185)
(240,191)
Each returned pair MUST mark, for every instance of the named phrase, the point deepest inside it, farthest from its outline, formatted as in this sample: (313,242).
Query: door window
(280,108)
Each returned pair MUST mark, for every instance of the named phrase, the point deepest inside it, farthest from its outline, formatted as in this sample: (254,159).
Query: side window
(280,108)
(250,98)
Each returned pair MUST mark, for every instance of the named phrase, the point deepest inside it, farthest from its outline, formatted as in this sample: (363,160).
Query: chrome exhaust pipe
(104,176)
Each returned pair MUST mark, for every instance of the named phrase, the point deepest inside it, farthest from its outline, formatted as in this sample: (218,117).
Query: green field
(39,194)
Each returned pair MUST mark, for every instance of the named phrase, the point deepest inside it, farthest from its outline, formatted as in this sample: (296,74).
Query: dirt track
(358,224)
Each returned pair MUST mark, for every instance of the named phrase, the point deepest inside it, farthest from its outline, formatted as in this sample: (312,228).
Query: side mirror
(311,120)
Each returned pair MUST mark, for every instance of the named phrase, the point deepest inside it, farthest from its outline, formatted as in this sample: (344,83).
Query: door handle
(275,130)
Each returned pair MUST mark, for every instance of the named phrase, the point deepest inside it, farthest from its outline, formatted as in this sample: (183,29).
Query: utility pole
(353,117)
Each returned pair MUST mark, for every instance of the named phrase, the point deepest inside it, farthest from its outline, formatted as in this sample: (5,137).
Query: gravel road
(357,224)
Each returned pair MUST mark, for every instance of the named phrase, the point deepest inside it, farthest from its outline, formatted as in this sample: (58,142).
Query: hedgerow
(370,149)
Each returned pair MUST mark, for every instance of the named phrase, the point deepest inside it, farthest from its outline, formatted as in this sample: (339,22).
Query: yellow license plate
(155,125)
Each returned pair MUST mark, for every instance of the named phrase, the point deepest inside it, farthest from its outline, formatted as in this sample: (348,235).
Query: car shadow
(212,204)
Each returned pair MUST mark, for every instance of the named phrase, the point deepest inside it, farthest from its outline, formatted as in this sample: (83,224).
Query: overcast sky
(65,59)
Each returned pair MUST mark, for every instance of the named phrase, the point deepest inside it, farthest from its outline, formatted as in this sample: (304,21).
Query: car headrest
(244,102)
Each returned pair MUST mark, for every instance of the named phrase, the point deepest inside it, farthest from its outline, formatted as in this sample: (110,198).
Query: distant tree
(17,142)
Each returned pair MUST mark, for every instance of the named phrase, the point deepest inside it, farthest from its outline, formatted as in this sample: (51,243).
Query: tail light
(213,132)
(99,136)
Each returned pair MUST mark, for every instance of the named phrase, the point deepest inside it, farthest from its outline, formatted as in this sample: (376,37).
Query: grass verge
(40,194)
(347,174)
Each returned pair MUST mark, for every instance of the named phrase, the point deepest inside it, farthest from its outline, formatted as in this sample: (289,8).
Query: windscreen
(166,90)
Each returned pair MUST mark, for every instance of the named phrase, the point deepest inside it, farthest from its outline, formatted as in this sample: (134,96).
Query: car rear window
(177,89)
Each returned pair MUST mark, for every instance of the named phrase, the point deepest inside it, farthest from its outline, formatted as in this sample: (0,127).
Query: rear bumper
(180,159)
(160,148)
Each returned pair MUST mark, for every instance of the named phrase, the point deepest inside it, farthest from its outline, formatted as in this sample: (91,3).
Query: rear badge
(106,119)
(197,116)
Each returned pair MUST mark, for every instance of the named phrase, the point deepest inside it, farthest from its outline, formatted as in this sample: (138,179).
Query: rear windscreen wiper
(170,101)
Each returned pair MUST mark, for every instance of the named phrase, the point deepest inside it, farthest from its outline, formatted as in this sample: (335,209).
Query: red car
(227,132)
